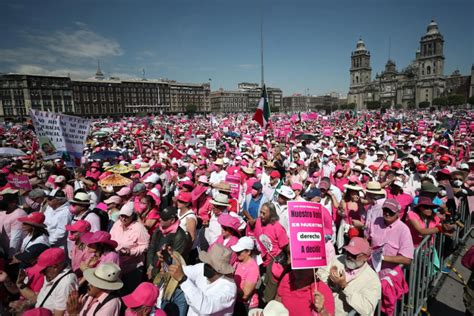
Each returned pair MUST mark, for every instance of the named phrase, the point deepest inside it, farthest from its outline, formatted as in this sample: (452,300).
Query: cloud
(60,52)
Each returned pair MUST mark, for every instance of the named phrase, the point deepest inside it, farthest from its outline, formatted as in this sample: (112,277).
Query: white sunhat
(286,191)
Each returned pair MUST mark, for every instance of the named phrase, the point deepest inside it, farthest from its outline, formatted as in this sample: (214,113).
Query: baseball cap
(184,197)
(275,174)
(139,187)
(286,191)
(113,199)
(244,243)
(444,158)
(124,191)
(358,245)
(169,213)
(392,205)
(81,226)
(127,209)
(297,186)
(144,295)
(257,185)
(50,257)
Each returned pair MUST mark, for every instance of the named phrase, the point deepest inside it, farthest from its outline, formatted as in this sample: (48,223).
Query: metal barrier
(424,272)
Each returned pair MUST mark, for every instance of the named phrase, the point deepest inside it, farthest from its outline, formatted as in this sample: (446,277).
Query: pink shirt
(417,237)
(111,257)
(12,228)
(134,237)
(298,295)
(77,257)
(274,233)
(112,307)
(35,279)
(394,239)
(232,240)
(247,272)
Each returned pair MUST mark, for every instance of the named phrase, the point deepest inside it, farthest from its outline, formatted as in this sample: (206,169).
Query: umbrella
(11,152)
(306,137)
(232,134)
(104,154)
(193,141)
(115,180)
(100,134)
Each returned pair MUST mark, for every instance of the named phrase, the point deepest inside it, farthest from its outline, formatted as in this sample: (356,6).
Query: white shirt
(213,231)
(27,242)
(204,298)
(183,219)
(282,211)
(217,177)
(58,298)
(55,221)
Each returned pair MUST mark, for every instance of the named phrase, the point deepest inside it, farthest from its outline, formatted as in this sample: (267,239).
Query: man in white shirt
(285,194)
(208,287)
(59,281)
(57,216)
(219,174)
(219,205)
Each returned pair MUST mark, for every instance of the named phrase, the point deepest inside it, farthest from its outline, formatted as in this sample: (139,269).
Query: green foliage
(191,109)
(373,105)
(424,104)
(456,99)
(398,106)
(348,106)
(274,109)
(441,101)
(471,100)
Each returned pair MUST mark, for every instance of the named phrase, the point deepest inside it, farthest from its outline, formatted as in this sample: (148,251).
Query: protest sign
(234,182)
(211,143)
(307,242)
(61,136)
(20,182)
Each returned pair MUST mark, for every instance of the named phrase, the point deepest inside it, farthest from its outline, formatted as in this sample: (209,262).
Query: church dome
(360,45)
(432,28)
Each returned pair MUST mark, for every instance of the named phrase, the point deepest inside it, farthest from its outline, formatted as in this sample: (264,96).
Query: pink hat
(187,183)
(392,205)
(124,191)
(144,295)
(358,245)
(35,219)
(101,206)
(113,199)
(227,220)
(184,197)
(324,185)
(40,311)
(80,226)
(297,186)
(99,237)
(49,257)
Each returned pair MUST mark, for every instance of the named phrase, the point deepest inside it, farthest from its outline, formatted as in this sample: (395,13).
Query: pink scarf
(170,230)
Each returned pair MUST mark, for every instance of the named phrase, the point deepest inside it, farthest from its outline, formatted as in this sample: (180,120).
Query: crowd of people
(156,220)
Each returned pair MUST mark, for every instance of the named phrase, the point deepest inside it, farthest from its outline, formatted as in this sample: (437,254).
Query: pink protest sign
(234,182)
(306,235)
(20,182)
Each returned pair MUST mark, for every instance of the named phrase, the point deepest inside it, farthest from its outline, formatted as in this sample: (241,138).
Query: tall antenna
(389,47)
(143,73)
(261,44)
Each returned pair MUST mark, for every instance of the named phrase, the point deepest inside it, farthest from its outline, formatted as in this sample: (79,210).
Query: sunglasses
(388,212)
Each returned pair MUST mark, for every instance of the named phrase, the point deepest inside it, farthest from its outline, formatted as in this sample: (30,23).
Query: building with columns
(421,81)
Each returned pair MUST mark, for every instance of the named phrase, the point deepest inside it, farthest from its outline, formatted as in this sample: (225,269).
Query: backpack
(103,217)
(109,297)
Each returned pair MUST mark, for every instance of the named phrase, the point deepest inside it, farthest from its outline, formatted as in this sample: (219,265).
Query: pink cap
(124,191)
(227,220)
(184,197)
(80,226)
(35,218)
(187,183)
(113,199)
(203,179)
(297,186)
(49,257)
(358,245)
(40,311)
(101,206)
(144,295)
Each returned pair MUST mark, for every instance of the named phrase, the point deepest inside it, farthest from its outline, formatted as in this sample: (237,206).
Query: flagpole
(261,45)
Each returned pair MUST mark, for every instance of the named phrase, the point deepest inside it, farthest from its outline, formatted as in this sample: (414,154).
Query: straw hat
(353,187)
(223,187)
(115,180)
(374,187)
(104,277)
(218,258)
(248,170)
(220,200)
(81,198)
(219,162)
(120,169)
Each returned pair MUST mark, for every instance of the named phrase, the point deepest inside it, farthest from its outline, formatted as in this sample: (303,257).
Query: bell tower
(360,71)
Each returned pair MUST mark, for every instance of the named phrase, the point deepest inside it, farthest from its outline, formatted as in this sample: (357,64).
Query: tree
(441,101)
(274,109)
(456,99)
(471,100)
(424,104)
(398,106)
(191,108)
(373,105)
(348,106)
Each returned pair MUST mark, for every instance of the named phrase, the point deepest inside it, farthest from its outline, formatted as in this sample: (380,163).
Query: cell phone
(167,257)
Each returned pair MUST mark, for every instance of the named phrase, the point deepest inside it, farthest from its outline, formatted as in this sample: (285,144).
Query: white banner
(211,143)
(61,136)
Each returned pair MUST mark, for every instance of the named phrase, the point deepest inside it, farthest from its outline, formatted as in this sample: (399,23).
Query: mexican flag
(262,114)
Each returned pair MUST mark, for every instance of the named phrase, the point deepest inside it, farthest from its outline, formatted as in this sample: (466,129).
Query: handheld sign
(20,182)
(211,143)
(234,182)
(307,242)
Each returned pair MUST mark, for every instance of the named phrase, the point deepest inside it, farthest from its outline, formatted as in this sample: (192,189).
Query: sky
(307,43)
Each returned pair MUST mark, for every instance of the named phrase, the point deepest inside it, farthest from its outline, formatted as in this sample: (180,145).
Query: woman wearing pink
(230,233)
(102,248)
(422,221)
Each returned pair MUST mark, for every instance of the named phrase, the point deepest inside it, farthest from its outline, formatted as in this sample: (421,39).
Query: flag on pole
(262,114)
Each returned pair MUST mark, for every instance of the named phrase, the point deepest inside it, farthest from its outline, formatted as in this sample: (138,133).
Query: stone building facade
(421,81)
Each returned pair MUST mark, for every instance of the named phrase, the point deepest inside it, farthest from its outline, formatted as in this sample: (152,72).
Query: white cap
(152,178)
(398,183)
(293,165)
(286,191)
(244,243)
(463,166)
(127,209)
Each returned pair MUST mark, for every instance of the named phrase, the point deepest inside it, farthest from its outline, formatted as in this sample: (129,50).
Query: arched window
(428,70)
(357,79)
